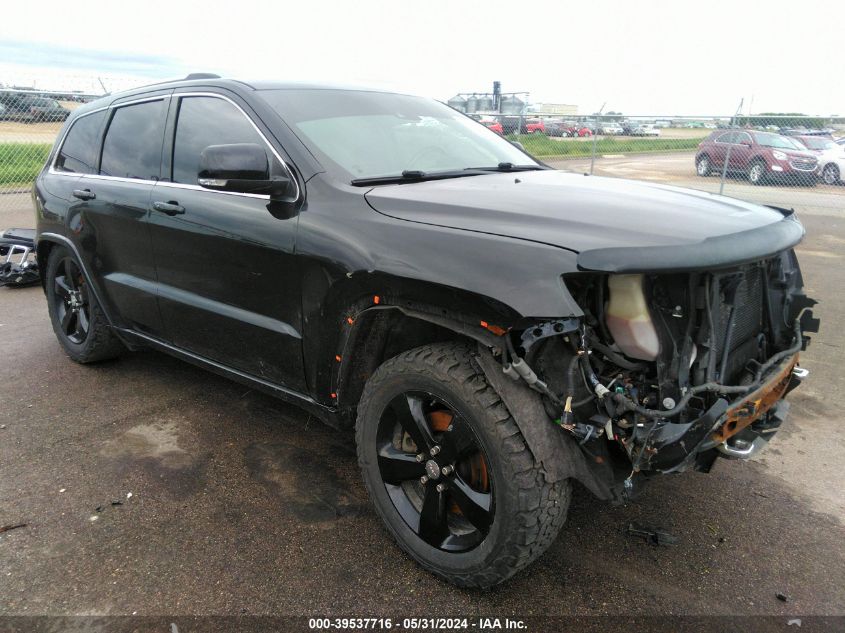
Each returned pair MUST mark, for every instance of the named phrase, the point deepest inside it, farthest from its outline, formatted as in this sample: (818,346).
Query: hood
(575,212)
(614,225)
(795,153)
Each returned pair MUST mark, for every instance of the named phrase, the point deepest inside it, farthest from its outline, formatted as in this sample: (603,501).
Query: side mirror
(241,168)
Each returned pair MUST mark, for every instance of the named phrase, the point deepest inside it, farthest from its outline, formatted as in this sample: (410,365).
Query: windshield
(819,143)
(359,134)
(768,139)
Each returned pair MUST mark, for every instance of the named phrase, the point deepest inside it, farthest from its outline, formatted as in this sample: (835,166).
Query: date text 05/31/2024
(416,624)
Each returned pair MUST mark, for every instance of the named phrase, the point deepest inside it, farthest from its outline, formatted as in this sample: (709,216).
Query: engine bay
(666,372)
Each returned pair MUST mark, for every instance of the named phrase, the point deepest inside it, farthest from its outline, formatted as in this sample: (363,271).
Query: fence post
(595,137)
(728,153)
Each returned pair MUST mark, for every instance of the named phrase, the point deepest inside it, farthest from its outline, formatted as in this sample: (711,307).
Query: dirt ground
(42,132)
(242,505)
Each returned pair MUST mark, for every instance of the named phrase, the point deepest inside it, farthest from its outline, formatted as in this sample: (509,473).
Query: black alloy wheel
(73,310)
(434,471)
(77,318)
(449,471)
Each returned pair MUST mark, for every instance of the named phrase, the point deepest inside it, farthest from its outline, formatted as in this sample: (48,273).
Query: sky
(643,57)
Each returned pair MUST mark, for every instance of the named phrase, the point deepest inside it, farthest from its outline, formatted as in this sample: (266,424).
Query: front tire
(757,173)
(77,318)
(449,471)
(703,167)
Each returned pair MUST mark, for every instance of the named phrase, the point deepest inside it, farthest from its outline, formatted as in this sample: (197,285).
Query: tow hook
(742,449)
(800,373)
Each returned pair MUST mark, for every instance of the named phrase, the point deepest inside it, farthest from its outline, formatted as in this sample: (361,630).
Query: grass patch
(543,146)
(21,162)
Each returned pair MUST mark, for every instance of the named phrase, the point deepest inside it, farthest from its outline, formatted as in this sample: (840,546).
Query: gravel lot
(243,505)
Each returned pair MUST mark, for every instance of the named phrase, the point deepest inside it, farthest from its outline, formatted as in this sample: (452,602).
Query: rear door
(77,155)
(114,220)
(741,151)
(720,149)
(229,285)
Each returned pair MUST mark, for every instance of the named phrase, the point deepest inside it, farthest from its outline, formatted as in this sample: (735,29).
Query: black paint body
(264,291)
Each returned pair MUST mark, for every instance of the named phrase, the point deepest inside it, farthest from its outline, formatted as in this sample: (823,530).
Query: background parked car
(556,127)
(535,126)
(803,131)
(628,127)
(645,129)
(44,109)
(29,109)
(610,128)
(492,124)
(830,155)
(510,123)
(760,156)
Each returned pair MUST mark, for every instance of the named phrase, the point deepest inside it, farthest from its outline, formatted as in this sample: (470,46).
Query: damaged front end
(664,372)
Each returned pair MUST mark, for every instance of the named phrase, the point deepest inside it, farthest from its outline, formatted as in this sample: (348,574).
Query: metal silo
(457,102)
(512,104)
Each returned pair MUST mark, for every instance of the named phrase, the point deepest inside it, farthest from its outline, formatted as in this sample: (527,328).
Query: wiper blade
(507,167)
(409,175)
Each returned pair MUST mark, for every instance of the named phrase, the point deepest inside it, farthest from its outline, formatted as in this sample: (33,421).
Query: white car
(645,129)
(831,157)
(610,128)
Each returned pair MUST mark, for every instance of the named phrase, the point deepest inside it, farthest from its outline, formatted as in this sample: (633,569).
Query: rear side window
(727,137)
(132,147)
(78,154)
(205,121)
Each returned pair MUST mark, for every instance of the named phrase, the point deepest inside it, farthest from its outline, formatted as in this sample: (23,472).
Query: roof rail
(202,76)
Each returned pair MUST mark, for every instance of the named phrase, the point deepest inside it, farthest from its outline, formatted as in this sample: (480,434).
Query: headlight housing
(779,155)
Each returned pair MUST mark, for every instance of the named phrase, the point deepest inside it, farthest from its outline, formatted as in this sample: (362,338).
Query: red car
(493,124)
(535,126)
(760,156)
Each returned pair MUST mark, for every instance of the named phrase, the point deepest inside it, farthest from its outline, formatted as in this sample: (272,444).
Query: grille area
(803,164)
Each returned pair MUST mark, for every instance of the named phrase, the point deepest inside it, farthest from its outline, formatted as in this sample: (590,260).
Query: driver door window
(204,121)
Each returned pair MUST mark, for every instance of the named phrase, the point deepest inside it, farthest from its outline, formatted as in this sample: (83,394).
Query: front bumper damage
(736,430)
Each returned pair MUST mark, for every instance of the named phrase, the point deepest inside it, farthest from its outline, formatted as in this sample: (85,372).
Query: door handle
(170,208)
(84,194)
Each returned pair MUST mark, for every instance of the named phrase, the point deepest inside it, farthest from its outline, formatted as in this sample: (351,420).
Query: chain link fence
(782,160)
(30,121)
(791,161)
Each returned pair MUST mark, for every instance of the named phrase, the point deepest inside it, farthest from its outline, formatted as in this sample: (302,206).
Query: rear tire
(524,512)
(77,318)
(830,174)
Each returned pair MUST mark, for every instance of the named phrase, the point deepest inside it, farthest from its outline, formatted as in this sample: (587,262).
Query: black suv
(491,328)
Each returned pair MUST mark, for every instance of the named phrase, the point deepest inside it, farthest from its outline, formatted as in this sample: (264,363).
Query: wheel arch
(370,320)
(45,244)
